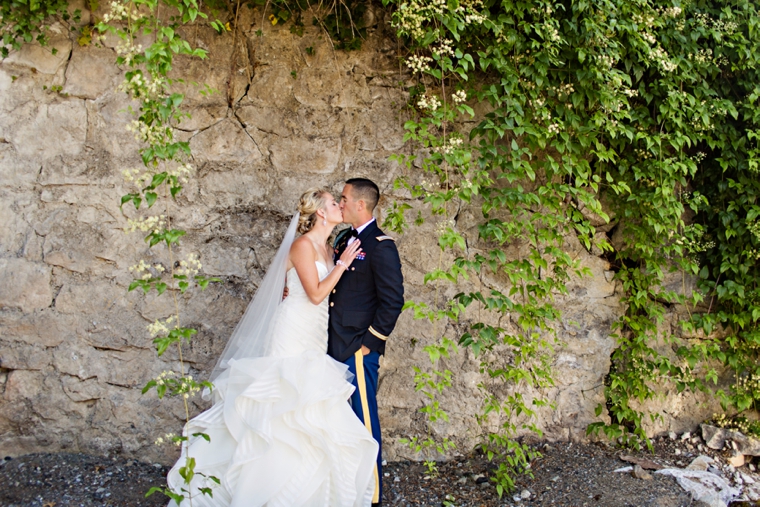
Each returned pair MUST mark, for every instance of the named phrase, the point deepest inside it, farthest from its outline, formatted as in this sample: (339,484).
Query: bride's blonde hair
(311,201)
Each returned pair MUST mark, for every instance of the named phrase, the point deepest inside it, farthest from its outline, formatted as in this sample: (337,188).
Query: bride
(281,430)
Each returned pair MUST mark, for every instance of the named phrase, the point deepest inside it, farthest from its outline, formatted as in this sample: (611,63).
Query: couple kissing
(294,420)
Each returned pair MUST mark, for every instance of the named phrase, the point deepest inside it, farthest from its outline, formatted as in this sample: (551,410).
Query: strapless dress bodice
(299,324)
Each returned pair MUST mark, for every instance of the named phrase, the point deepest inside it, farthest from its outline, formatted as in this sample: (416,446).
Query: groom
(365,304)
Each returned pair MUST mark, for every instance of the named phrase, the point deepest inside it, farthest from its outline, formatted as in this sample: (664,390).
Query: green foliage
(176,497)
(25,21)
(527,202)
(159,183)
(684,150)
(345,24)
(648,106)
(432,384)
(342,21)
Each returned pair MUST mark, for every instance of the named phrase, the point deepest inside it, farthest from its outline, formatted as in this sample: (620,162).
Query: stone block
(304,156)
(683,284)
(14,230)
(595,286)
(15,171)
(244,186)
(132,368)
(266,119)
(736,459)
(225,142)
(327,122)
(714,437)
(203,117)
(23,384)
(82,390)
(41,59)
(26,285)
(356,95)
(23,356)
(91,72)
(73,246)
(273,87)
(51,130)
(107,122)
(46,328)
(220,259)
(77,299)
(700,463)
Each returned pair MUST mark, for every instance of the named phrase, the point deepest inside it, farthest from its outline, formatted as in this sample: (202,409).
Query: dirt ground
(567,474)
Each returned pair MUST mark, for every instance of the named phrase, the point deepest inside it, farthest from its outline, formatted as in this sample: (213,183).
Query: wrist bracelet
(341,263)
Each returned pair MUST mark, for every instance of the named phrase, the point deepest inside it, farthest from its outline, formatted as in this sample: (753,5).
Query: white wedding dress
(282,432)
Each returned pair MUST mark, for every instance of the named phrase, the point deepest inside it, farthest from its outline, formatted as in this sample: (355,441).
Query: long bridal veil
(252,336)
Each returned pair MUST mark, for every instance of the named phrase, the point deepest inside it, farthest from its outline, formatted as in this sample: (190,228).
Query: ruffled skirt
(281,434)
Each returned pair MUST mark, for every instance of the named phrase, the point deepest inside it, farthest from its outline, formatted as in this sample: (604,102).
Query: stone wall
(74,352)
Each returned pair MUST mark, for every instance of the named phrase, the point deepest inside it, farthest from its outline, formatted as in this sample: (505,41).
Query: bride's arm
(304,258)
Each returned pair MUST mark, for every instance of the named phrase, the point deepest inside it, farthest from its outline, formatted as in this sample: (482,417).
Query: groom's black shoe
(376,504)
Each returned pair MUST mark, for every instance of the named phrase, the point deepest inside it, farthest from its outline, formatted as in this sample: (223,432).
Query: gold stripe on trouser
(362,383)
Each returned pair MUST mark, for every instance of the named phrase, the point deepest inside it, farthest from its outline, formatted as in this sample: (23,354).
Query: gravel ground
(572,475)
(566,475)
(58,480)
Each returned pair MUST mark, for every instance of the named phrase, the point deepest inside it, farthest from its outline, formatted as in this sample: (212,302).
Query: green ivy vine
(26,21)
(647,106)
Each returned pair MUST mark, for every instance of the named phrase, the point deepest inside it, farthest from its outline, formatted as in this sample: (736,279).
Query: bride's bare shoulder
(302,248)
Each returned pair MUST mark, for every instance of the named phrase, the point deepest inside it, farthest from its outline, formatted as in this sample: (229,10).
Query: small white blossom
(412,16)
(444,225)
(419,63)
(145,224)
(607,61)
(451,144)
(662,59)
(190,266)
(444,48)
(672,12)
(649,38)
(159,328)
(430,102)
(564,90)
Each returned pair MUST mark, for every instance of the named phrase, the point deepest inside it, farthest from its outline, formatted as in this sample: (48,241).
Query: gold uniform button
(333,291)
(332,304)
(352,269)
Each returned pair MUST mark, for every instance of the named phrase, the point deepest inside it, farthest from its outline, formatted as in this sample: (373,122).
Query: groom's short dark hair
(366,190)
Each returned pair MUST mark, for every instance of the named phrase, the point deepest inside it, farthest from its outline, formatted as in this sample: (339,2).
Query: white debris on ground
(704,486)
(709,481)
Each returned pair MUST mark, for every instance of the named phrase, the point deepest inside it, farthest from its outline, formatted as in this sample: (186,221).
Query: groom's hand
(365,350)
(285,293)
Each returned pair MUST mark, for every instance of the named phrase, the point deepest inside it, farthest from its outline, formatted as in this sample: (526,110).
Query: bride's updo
(311,201)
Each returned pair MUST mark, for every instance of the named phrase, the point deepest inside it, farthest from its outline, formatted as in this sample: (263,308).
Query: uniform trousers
(364,403)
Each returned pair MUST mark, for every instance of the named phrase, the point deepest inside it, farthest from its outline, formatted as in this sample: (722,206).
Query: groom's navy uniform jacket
(367,300)
(364,307)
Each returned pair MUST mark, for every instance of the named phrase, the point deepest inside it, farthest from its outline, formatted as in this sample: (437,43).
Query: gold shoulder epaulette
(383,238)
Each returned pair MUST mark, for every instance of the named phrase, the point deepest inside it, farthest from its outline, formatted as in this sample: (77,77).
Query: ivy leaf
(150,198)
